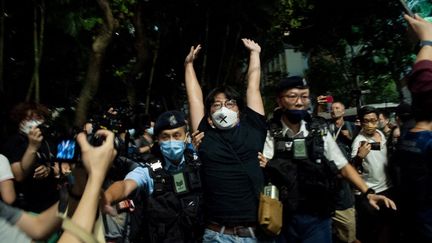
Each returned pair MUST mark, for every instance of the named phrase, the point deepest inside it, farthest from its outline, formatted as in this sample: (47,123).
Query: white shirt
(5,169)
(331,149)
(375,163)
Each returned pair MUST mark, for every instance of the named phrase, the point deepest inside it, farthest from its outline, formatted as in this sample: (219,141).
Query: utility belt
(246,230)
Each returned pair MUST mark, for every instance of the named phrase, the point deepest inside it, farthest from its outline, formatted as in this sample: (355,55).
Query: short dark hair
(366,110)
(385,113)
(230,93)
(422,107)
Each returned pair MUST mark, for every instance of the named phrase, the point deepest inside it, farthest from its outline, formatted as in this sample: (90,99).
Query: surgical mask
(131,132)
(381,125)
(295,116)
(150,131)
(224,118)
(26,126)
(173,149)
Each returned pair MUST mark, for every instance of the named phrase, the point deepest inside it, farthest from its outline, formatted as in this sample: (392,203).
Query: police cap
(169,120)
(292,82)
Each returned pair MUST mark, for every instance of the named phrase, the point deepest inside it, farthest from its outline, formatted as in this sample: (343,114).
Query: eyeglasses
(227,103)
(372,121)
(295,97)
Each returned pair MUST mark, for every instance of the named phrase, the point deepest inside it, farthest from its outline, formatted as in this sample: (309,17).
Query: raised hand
(193,53)
(421,27)
(35,138)
(97,160)
(251,45)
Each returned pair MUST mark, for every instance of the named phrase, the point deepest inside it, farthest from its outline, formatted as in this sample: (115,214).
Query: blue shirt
(142,178)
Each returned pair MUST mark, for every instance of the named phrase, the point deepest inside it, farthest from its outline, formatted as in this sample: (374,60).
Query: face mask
(149,131)
(26,126)
(369,129)
(224,118)
(131,132)
(173,149)
(295,116)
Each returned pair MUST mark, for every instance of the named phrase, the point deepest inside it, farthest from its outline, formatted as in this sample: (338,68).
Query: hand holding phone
(406,8)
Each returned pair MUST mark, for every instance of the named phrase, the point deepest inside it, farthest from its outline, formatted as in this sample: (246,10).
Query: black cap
(169,120)
(292,82)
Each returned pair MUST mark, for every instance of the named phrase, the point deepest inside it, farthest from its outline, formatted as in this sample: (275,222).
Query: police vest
(307,180)
(173,212)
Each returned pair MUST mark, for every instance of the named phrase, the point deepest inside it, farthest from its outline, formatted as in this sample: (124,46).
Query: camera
(67,150)
(375,146)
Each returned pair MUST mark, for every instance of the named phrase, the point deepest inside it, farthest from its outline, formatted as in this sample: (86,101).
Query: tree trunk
(38,36)
(100,43)
(222,57)
(206,38)
(141,56)
(2,13)
(155,56)
(230,65)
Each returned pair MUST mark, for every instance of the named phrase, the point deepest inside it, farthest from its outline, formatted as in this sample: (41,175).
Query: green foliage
(91,23)
(350,46)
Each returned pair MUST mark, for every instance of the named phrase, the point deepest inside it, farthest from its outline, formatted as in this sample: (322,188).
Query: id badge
(179,183)
(300,151)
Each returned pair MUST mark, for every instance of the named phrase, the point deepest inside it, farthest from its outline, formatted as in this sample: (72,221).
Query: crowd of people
(199,178)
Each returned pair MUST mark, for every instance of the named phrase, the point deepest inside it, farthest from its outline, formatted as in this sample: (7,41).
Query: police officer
(305,162)
(169,185)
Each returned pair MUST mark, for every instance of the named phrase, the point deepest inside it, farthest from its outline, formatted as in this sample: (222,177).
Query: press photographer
(31,159)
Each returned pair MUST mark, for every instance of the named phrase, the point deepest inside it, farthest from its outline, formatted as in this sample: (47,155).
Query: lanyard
(338,131)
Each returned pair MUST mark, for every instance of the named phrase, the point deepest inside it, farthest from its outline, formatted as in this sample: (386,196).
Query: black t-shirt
(231,188)
(33,195)
(414,158)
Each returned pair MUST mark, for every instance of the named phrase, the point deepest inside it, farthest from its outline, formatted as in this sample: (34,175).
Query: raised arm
(96,160)
(193,89)
(21,169)
(253,94)
(423,30)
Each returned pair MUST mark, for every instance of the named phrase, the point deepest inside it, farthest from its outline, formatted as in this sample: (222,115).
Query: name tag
(300,151)
(180,185)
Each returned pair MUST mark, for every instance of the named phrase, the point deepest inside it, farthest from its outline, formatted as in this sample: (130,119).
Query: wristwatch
(425,43)
(369,191)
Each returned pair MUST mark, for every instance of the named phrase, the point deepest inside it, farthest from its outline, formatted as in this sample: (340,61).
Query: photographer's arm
(21,169)
(253,93)
(97,161)
(423,30)
(41,226)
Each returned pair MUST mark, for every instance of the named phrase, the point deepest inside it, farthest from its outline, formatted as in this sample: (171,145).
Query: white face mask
(27,125)
(131,132)
(224,118)
(150,131)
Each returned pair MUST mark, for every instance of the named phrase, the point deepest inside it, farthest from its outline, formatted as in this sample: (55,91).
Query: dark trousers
(373,225)
(305,228)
